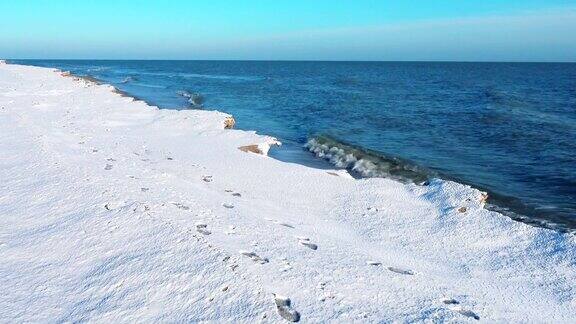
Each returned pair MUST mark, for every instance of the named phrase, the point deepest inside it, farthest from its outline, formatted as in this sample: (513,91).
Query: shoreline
(162,209)
(508,206)
(544,210)
(377,162)
(366,163)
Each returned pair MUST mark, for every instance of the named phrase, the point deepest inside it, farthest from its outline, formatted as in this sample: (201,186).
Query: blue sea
(506,128)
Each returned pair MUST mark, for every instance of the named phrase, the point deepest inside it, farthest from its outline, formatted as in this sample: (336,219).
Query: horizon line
(284,60)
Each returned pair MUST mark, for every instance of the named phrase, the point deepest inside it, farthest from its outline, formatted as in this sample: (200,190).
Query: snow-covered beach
(114,210)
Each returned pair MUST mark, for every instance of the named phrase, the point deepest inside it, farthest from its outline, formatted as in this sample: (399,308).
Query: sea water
(507,128)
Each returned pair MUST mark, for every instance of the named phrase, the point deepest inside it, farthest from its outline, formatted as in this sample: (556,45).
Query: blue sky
(487,30)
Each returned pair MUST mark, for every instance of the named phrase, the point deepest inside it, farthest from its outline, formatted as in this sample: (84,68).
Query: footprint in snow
(203,229)
(287,265)
(108,167)
(235,194)
(401,271)
(139,207)
(115,204)
(207,178)
(279,223)
(122,204)
(465,312)
(228,205)
(111,160)
(284,308)
(306,242)
(181,206)
(285,225)
(449,301)
(254,257)
(231,230)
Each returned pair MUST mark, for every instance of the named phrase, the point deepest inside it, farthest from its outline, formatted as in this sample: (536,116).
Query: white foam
(342,159)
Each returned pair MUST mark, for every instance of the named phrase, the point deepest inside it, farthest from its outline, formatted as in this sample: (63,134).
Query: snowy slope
(113,210)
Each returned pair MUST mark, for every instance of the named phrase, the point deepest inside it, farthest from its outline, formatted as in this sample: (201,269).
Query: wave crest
(196,100)
(366,163)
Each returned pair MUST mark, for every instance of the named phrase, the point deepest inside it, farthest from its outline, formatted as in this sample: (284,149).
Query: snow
(112,210)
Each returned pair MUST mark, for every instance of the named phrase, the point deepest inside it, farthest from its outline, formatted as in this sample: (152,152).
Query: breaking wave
(128,79)
(366,163)
(195,100)
(370,164)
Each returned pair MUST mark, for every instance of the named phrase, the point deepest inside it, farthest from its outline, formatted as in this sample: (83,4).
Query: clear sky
(481,30)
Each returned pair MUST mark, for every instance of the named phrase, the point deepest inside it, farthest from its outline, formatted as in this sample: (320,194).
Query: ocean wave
(369,164)
(220,77)
(97,69)
(195,100)
(364,162)
(147,85)
(204,76)
(516,108)
(128,79)
(506,99)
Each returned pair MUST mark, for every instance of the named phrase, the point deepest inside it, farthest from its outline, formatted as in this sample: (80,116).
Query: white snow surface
(112,210)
